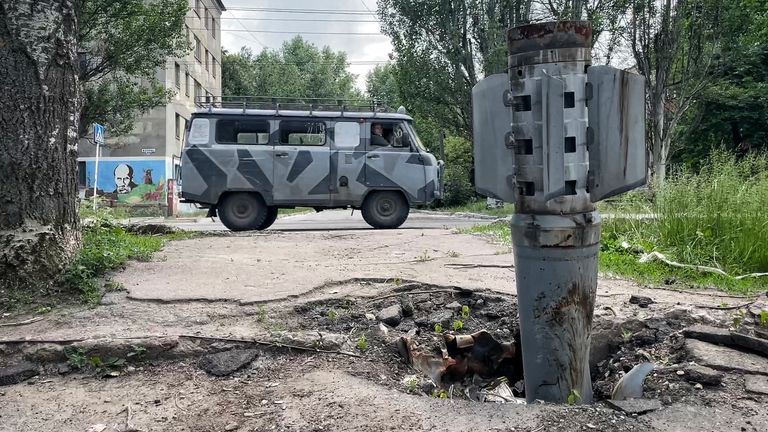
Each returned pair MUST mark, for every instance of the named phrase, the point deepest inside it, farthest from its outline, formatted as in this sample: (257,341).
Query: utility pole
(554,136)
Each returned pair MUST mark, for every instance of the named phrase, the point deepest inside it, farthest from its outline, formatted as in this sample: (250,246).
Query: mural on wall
(128,182)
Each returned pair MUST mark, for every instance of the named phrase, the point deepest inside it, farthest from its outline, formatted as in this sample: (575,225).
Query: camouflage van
(245,163)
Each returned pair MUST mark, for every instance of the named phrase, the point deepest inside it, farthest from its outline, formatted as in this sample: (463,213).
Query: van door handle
(281,155)
(373,156)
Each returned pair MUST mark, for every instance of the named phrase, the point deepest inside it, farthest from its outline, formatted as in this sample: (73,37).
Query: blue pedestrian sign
(98,133)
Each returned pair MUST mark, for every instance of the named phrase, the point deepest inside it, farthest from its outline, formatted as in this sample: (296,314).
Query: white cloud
(358,48)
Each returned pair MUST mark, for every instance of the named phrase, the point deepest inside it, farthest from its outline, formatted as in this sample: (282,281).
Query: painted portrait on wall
(128,181)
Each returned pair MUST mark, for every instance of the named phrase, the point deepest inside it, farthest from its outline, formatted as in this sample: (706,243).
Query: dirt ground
(266,285)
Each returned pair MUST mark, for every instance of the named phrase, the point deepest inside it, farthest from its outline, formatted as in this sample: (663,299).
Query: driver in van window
(377,138)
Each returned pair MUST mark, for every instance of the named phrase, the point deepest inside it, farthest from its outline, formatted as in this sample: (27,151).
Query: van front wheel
(242,211)
(385,209)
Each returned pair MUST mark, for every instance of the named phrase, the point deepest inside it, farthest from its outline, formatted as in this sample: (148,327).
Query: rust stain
(549,35)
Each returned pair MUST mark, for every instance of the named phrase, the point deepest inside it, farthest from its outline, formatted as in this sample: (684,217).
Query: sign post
(98,138)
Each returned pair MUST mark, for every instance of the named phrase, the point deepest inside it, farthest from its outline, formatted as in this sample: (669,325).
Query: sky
(251,28)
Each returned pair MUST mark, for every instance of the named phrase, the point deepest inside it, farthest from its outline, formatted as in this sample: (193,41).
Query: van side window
(347,134)
(301,132)
(242,131)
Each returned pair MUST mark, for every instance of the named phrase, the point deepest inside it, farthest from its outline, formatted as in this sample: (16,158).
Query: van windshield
(415,138)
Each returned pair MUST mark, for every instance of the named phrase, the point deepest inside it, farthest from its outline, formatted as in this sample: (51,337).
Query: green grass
(294,211)
(479,208)
(617,261)
(108,247)
(717,217)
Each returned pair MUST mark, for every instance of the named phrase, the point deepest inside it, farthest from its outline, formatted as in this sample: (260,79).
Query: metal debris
(478,362)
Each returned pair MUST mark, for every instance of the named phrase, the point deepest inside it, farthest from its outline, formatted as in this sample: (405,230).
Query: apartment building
(139,169)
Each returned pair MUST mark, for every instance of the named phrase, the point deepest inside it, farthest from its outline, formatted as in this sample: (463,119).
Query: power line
(297,32)
(301,11)
(369,9)
(301,19)
(255,39)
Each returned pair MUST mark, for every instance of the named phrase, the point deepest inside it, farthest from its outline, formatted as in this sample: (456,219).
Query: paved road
(338,220)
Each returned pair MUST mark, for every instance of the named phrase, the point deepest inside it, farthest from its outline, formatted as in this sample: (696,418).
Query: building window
(206,59)
(206,16)
(213,27)
(198,48)
(213,66)
(188,84)
(177,75)
(82,174)
(197,7)
(198,91)
(178,126)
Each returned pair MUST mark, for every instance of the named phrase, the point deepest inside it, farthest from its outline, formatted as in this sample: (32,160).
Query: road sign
(98,133)
(98,138)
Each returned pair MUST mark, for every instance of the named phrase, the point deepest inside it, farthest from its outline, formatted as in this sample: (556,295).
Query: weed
(442,394)
(626,335)
(43,310)
(412,384)
(764,318)
(397,282)
(465,311)
(113,286)
(573,397)
(333,315)
(453,254)
(75,357)
(458,325)
(137,353)
(438,328)
(738,319)
(261,314)
(362,343)
(106,247)
(424,257)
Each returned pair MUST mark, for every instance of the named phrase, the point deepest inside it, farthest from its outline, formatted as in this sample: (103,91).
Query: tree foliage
(730,113)
(121,45)
(444,48)
(298,69)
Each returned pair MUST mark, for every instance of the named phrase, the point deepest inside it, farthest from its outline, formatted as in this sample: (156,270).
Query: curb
(478,216)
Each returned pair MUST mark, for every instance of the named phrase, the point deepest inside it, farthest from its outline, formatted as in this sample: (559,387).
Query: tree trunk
(39,229)
(659,148)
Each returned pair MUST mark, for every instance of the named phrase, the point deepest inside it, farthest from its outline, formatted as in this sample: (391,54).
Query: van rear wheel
(385,209)
(242,211)
(271,218)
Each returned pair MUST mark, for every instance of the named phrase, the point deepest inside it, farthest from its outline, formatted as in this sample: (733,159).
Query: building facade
(140,169)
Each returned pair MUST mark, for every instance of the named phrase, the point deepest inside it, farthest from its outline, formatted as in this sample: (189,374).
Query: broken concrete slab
(723,336)
(756,384)
(641,301)
(406,306)
(227,362)
(454,306)
(390,315)
(725,359)
(17,373)
(314,340)
(705,333)
(703,375)
(635,406)
(442,317)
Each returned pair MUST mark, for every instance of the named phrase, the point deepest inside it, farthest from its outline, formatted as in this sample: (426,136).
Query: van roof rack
(293,103)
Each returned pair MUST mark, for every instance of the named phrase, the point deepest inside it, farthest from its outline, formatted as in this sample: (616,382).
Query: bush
(459,187)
